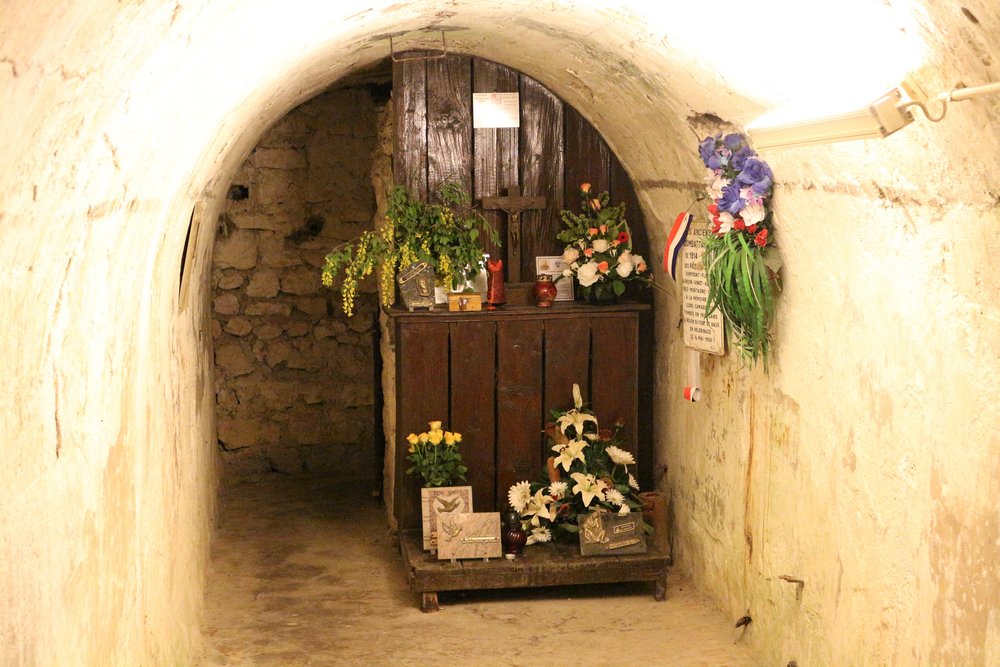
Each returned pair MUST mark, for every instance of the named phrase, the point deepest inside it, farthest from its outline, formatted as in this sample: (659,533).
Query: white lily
(569,453)
(577,397)
(576,419)
(589,487)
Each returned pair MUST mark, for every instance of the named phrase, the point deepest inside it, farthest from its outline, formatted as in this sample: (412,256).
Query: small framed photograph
(553,266)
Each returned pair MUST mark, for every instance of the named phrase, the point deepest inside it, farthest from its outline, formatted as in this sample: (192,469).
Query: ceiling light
(887,114)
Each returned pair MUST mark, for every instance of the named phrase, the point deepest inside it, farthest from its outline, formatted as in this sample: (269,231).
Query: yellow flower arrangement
(439,464)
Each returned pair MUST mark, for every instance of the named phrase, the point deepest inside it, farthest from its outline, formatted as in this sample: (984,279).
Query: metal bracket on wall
(430,55)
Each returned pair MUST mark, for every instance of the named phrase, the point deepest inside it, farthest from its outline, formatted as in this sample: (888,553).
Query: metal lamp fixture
(879,119)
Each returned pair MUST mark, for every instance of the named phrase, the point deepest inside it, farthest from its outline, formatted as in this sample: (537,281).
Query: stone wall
(294,375)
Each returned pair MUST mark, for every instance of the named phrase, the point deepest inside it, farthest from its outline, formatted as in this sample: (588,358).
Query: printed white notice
(496,110)
(702,334)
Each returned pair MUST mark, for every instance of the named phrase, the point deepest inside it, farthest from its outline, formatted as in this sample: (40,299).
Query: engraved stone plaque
(606,534)
(438,500)
(469,535)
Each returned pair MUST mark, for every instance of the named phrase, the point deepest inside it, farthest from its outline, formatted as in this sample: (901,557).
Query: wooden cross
(512,205)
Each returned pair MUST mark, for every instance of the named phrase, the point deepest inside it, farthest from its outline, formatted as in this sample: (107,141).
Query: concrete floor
(305,574)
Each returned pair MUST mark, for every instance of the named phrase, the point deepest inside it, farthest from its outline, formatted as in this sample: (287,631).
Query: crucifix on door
(513,204)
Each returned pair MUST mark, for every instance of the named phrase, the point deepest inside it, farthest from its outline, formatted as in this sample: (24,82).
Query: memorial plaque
(469,536)
(700,333)
(438,500)
(606,534)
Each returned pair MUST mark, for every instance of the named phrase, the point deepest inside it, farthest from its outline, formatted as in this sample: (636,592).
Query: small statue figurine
(494,284)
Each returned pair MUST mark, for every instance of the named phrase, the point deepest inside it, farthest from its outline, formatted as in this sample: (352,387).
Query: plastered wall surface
(866,463)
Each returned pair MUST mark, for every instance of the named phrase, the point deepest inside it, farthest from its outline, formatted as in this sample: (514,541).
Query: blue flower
(733,141)
(706,149)
(756,174)
(731,202)
(740,157)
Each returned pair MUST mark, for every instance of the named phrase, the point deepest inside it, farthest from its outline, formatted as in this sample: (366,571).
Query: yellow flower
(412,439)
(412,449)
(449,438)
(435,426)
(458,437)
(435,437)
(423,438)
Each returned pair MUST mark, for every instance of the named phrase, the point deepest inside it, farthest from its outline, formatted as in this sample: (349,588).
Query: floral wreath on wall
(741,275)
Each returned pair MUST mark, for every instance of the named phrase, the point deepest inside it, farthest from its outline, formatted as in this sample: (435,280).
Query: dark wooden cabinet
(495,377)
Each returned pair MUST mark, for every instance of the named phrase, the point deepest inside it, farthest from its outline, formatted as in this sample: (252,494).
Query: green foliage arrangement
(448,235)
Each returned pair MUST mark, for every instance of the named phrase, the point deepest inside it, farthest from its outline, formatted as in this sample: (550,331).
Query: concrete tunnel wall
(866,463)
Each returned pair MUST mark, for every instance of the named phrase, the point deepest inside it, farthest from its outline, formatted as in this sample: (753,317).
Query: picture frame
(553,265)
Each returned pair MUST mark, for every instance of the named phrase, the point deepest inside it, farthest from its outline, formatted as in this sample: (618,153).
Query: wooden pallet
(541,565)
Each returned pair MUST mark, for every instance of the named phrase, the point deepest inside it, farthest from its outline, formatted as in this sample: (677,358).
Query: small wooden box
(465,301)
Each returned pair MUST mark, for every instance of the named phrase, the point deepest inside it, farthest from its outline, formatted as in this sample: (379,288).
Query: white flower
(624,269)
(620,456)
(539,508)
(715,184)
(615,497)
(558,490)
(640,263)
(588,487)
(570,255)
(753,214)
(539,534)
(569,453)
(576,419)
(624,509)
(601,245)
(567,273)
(519,495)
(632,482)
(588,274)
(577,396)
(725,222)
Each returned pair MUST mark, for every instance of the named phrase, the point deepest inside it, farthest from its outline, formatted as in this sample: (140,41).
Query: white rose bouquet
(599,249)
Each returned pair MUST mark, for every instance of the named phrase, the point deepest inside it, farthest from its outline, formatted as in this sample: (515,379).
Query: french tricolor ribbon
(692,391)
(678,234)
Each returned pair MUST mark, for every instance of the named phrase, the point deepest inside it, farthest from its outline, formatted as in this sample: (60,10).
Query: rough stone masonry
(294,376)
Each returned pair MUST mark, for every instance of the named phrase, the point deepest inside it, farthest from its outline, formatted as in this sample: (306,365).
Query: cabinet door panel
(519,403)
(567,361)
(473,387)
(613,373)
(422,396)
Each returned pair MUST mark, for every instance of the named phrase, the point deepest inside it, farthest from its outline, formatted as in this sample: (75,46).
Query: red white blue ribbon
(678,234)
(692,391)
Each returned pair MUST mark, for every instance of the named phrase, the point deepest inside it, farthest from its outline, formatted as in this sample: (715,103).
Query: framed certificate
(553,266)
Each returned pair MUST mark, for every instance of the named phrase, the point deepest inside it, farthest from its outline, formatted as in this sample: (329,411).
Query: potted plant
(599,249)
(739,267)
(447,236)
